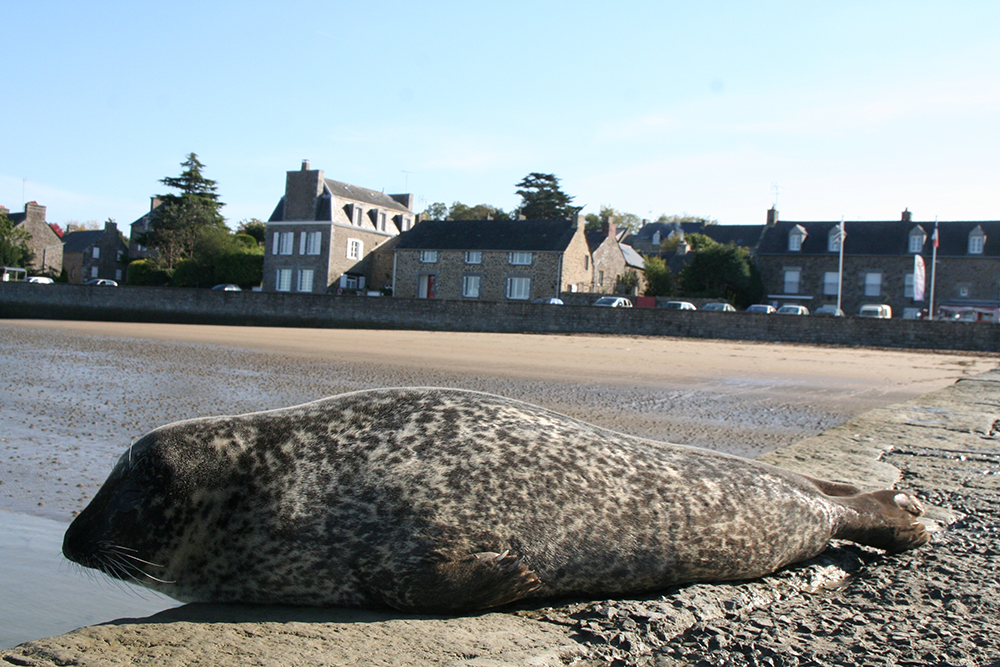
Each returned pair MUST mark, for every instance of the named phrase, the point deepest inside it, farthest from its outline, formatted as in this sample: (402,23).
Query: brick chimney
(907,216)
(302,189)
(772,217)
(609,228)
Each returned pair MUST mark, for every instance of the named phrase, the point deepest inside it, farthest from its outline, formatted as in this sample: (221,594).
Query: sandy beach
(75,394)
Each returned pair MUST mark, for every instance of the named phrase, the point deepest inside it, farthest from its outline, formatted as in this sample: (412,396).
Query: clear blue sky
(854,109)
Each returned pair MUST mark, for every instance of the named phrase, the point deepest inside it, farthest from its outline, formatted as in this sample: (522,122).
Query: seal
(445,501)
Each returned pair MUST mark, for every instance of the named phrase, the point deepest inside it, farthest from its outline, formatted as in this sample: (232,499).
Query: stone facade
(44,243)
(323,233)
(95,254)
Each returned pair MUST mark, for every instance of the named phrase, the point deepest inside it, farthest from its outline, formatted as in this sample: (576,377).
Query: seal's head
(162,513)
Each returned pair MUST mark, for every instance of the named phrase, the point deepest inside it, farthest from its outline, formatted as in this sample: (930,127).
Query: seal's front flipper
(886,520)
(480,581)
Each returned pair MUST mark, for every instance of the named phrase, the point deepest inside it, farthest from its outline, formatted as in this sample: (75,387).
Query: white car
(719,307)
(679,305)
(793,309)
(613,302)
(40,280)
(761,308)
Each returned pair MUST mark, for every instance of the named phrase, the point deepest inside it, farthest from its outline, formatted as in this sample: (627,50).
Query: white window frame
(916,243)
(470,285)
(793,278)
(355,249)
(283,280)
(519,288)
(305,282)
(407,222)
(976,243)
(831,281)
(283,242)
(356,212)
(381,221)
(314,243)
(93,272)
(428,256)
(873,283)
(833,241)
(795,241)
(473,257)
(520,258)
(908,285)
(95,252)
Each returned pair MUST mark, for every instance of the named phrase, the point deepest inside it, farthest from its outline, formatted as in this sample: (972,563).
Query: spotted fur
(444,500)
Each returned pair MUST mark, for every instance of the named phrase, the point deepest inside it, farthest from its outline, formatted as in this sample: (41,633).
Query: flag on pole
(934,237)
(919,278)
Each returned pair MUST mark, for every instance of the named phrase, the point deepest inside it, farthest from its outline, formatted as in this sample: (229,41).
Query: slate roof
(887,238)
(373,197)
(632,258)
(80,241)
(500,234)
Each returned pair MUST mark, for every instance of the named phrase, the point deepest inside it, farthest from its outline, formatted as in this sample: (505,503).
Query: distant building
(45,244)
(798,262)
(322,235)
(492,260)
(613,261)
(142,226)
(89,254)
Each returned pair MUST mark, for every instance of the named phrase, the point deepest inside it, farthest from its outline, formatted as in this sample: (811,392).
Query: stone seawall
(194,306)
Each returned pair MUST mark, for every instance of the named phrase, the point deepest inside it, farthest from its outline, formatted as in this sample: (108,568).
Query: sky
(829,110)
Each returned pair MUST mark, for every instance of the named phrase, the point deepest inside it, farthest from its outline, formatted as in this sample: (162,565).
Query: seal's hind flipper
(885,520)
(479,581)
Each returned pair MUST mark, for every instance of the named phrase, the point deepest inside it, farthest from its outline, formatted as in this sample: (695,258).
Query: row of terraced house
(329,237)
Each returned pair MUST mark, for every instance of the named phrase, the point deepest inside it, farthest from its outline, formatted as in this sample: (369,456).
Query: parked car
(101,281)
(877,310)
(613,302)
(761,308)
(679,305)
(793,309)
(829,311)
(40,280)
(227,287)
(719,307)
(551,300)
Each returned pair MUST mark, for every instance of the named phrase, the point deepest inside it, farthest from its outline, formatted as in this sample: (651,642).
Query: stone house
(322,235)
(613,261)
(141,226)
(100,253)
(492,260)
(44,243)
(799,261)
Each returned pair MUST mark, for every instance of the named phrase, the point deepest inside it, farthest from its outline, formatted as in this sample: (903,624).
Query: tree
(623,220)
(177,224)
(253,227)
(706,221)
(659,277)
(460,211)
(696,242)
(436,211)
(14,249)
(724,271)
(542,199)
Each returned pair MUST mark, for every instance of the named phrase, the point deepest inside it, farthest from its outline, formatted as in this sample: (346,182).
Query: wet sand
(75,394)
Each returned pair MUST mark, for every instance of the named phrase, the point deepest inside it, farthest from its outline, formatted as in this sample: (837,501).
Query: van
(877,310)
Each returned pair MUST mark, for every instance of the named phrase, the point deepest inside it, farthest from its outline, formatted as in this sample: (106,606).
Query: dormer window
(977,239)
(917,238)
(795,238)
(833,240)
(356,213)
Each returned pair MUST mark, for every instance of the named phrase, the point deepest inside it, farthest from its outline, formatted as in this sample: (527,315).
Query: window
(833,241)
(586,262)
(428,256)
(305,280)
(520,258)
(792,281)
(309,243)
(352,282)
(470,286)
(518,288)
(795,238)
(916,242)
(908,283)
(356,213)
(407,222)
(93,272)
(96,252)
(976,242)
(283,283)
(381,221)
(473,257)
(355,249)
(873,284)
(600,278)
(831,282)
(283,243)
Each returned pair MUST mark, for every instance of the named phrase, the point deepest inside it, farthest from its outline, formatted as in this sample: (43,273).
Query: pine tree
(184,217)
(542,199)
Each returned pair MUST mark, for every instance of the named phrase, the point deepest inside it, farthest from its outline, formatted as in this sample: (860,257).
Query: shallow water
(45,595)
